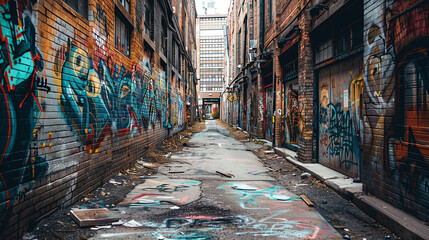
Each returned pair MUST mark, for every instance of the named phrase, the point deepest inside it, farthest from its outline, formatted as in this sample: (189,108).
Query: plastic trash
(133,224)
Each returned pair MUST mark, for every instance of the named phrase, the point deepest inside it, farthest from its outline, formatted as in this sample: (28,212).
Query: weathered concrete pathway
(187,199)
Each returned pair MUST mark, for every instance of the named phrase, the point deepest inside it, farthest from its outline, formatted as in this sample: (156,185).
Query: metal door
(340,124)
(292,119)
(268,109)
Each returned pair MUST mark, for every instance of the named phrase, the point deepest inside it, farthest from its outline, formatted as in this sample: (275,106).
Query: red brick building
(342,83)
(86,88)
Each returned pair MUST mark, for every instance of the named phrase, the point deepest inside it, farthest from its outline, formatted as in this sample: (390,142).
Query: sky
(220,5)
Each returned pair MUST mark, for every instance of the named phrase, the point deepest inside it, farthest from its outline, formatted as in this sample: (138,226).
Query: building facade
(342,83)
(86,88)
(211,63)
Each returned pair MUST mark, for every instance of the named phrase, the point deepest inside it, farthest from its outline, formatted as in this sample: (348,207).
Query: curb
(399,222)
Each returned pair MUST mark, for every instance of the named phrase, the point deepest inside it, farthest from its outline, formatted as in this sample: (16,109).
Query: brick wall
(74,109)
(396,109)
(305,94)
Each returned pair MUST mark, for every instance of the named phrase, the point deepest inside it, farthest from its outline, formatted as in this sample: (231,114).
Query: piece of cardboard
(93,217)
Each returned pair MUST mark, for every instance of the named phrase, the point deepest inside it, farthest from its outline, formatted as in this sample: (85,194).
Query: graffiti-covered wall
(292,121)
(75,105)
(340,90)
(396,107)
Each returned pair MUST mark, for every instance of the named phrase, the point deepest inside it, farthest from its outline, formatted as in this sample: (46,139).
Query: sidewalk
(398,221)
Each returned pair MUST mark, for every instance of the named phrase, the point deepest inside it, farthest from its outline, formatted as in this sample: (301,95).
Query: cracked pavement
(188,199)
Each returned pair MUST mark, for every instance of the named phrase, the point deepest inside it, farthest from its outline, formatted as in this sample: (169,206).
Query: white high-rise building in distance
(211,51)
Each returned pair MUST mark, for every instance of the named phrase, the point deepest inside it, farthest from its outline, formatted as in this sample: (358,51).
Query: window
(173,52)
(164,38)
(290,69)
(324,51)
(122,35)
(80,6)
(348,38)
(148,20)
(126,4)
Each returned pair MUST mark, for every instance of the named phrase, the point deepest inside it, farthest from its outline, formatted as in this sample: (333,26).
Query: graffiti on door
(268,110)
(340,124)
(293,120)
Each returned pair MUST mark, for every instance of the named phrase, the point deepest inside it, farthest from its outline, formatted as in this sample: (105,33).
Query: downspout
(316,115)
(261,25)
(274,108)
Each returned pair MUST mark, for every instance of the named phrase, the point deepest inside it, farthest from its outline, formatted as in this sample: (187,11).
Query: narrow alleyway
(187,199)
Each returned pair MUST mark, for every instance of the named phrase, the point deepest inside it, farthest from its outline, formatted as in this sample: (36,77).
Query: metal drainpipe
(261,25)
(316,114)
(274,108)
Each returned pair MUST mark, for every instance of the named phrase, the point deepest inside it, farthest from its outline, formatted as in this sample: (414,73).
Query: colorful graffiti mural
(340,122)
(21,160)
(287,215)
(253,113)
(97,101)
(161,192)
(293,123)
(397,83)
(268,112)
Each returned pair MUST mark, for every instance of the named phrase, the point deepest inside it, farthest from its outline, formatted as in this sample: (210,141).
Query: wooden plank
(57,234)
(93,217)
(306,200)
(263,163)
(225,174)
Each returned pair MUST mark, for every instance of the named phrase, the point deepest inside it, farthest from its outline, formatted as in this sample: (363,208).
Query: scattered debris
(112,181)
(132,224)
(93,217)
(46,214)
(118,223)
(101,227)
(225,174)
(346,229)
(347,237)
(263,163)
(305,175)
(301,185)
(168,155)
(160,237)
(339,226)
(150,165)
(307,201)
(57,234)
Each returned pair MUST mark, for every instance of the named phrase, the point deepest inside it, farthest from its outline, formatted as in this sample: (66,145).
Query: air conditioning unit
(253,44)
